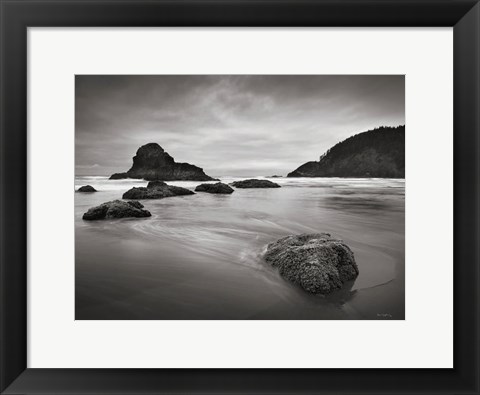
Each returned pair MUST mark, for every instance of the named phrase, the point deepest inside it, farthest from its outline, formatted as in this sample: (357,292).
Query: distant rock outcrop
(152,163)
(253,183)
(86,188)
(116,209)
(378,153)
(318,263)
(118,176)
(156,190)
(219,187)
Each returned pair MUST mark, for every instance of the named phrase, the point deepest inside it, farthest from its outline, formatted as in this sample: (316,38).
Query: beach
(201,256)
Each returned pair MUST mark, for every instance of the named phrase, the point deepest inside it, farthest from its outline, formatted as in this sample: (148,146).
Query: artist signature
(384,315)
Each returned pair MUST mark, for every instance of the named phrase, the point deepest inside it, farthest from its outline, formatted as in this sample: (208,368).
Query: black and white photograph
(239,197)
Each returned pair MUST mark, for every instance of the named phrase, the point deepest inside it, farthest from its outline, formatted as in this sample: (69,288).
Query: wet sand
(200,256)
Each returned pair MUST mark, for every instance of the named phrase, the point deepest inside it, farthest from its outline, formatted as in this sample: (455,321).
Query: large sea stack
(378,153)
(152,163)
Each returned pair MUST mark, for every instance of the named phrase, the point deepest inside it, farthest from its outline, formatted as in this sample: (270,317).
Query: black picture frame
(18,15)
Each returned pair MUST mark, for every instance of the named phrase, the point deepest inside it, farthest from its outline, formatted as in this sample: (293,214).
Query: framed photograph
(250,218)
(249,197)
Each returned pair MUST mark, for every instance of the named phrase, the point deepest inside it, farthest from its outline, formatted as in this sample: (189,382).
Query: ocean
(200,256)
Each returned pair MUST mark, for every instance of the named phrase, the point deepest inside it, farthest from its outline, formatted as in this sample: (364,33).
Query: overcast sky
(228,125)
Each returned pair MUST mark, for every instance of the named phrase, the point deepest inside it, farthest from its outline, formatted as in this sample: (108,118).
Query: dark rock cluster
(318,263)
(219,187)
(116,209)
(253,183)
(156,190)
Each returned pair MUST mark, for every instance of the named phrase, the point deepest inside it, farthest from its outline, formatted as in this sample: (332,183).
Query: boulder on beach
(253,183)
(318,263)
(86,188)
(156,190)
(218,187)
(151,162)
(116,209)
